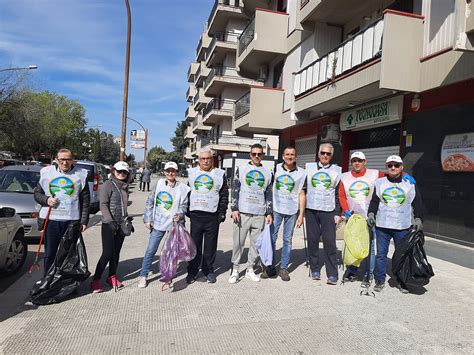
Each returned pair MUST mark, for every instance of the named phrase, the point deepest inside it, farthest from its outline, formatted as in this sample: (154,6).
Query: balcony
(221,44)
(217,110)
(193,67)
(250,6)
(202,46)
(188,154)
(190,113)
(222,12)
(260,111)
(200,100)
(201,74)
(190,93)
(189,133)
(198,125)
(365,67)
(336,11)
(232,143)
(220,77)
(263,40)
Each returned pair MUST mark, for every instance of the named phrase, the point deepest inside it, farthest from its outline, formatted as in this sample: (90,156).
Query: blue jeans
(289,222)
(383,242)
(367,270)
(153,244)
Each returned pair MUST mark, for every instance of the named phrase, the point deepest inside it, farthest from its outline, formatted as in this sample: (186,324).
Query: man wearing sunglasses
(391,208)
(62,189)
(323,212)
(251,209)
(208,202)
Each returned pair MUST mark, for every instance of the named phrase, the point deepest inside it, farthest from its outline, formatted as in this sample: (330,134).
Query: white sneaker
(250,274)
(234,277)
(142,282)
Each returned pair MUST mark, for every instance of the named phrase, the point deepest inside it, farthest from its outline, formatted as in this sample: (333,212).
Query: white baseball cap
(171,165)
(358,155)
(394,159)
(121,165)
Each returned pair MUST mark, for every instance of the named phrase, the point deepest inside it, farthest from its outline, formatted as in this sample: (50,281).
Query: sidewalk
(271,316)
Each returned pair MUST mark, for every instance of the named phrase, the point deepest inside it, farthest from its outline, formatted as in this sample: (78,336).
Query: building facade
(382,76)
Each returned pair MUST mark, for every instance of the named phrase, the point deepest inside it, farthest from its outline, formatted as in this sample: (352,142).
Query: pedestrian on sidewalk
(391,208)
(323,212)
(208,202)
(355,192)
(251,209)
(63,188)
(167,202)
(289,202)
(113,198)
(145,178)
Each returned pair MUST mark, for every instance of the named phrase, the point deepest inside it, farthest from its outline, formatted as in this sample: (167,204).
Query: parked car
(96,176)
(8,162)
(17,184)
(13,247)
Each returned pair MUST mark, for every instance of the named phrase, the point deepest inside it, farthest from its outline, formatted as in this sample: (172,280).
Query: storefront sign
(379,113)
(457,153)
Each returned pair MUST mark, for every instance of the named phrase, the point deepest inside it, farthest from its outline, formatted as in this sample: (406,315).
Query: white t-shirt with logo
(359,190)
(254,180)
(321,186)
(205,187)
(286,189)
(167,202)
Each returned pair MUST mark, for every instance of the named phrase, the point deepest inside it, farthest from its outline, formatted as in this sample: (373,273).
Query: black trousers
(53,234)
(143,184)
(111,246)
(204,232)
(322,223)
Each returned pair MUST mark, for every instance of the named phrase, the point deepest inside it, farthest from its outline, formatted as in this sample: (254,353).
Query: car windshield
(18,181)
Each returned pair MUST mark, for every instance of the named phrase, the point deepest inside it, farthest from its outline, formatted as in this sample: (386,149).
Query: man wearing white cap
(167,202)
(393,202)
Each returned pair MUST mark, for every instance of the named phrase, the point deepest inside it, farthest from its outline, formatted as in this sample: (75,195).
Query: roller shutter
(306,149)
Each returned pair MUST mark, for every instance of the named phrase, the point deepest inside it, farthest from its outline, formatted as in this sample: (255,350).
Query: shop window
(376,137)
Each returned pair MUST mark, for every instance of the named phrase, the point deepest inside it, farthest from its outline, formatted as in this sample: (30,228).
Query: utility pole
(146,147)
(125,88)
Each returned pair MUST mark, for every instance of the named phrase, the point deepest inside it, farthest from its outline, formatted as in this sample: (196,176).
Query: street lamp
(125,86)
(146,138)
(29,67)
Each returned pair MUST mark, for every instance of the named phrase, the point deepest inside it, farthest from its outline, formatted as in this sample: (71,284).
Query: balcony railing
(219,105)
(195,122)
(196,98)
(303,3)
(247,36)
(226,37)
(227,139)
(242,106)
(220,70)
(198,74)
(360,48)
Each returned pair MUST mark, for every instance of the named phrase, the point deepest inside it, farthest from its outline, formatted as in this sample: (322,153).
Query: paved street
(300,316)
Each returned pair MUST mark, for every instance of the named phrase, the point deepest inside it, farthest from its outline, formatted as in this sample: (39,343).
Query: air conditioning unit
(262,73)
(331,133)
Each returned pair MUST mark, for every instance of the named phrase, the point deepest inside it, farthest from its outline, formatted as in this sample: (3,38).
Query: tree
(178,141)
(156,156)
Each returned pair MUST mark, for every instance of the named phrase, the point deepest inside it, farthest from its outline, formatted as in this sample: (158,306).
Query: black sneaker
(211,278)
(379,285)
(366,283)
(264,274)
(403,289)
(284,275)
(190,279)
(349,276)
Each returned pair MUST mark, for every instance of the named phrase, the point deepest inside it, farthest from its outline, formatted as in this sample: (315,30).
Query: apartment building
(382,76)
(215,86)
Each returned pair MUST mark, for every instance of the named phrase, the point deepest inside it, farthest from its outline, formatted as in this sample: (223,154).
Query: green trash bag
(356,240)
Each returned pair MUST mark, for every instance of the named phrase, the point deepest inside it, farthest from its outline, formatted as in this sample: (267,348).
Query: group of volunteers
(286,196)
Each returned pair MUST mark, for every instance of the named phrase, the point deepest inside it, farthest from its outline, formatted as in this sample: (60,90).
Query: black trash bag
(409,262)
(67,272)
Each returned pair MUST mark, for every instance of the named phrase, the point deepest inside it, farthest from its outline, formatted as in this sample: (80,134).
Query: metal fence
(247,36)
(242,106)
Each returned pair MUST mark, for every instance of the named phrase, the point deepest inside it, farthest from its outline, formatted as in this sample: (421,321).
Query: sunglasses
(325,153)
(393,166)
(123,172)
(256,154)
(355,160)
(170,171)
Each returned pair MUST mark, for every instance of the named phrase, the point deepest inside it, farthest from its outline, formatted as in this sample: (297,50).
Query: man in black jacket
(63,194)
(393,203)
(208,201)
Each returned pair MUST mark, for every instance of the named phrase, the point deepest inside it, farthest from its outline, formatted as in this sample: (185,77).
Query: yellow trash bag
(356,240)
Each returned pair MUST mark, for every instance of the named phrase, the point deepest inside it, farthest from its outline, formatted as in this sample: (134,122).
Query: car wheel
(16,255)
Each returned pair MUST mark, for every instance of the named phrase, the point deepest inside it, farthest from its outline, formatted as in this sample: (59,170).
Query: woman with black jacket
(113,205)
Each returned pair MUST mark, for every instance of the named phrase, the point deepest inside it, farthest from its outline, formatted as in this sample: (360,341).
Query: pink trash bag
(178,247)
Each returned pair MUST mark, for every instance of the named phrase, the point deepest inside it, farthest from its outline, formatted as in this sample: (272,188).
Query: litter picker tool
(366,291)
(35,265)
(306,248)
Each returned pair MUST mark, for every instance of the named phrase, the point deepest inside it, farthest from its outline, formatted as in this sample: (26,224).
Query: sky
(79,48)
